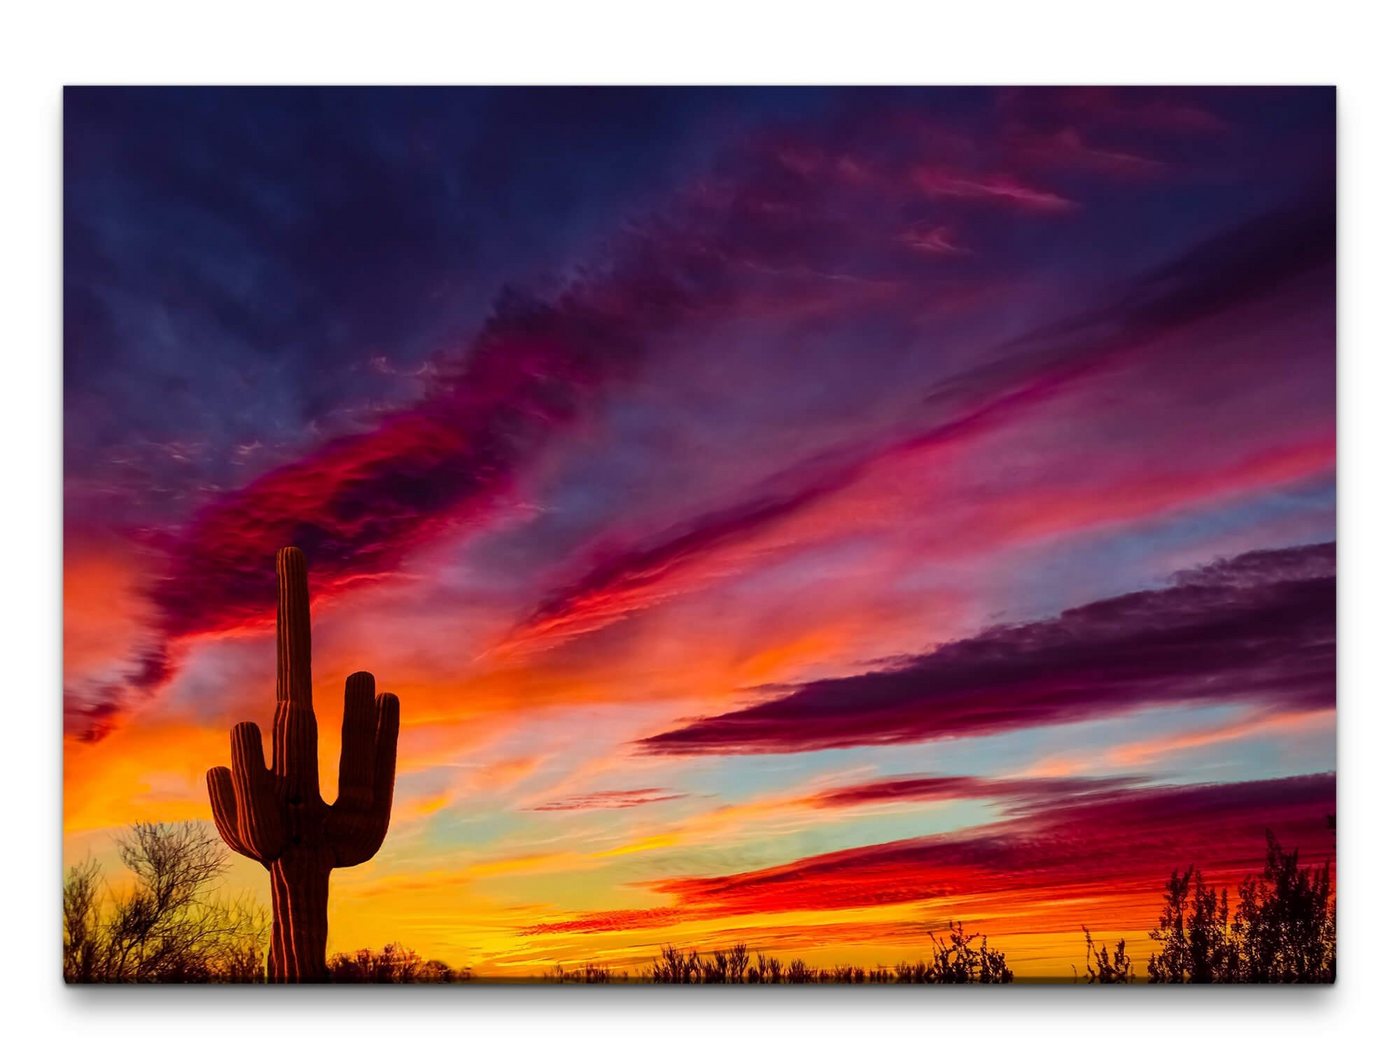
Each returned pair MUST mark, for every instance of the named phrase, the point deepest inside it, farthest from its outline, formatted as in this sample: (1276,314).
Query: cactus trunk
(300,888)
(277,817)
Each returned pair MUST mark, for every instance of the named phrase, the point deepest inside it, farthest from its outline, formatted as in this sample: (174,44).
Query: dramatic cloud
(1065,147)
(758,233)
(1015,793)
(1225,273)
(356,506)
(1260,627)
(608,799)
(621,584)
(1251,261)
(1144,109)
(609,922)
(937,181)
(1120,840)
(92,719)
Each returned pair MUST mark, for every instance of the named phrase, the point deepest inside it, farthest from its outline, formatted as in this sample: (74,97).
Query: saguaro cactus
(277,817)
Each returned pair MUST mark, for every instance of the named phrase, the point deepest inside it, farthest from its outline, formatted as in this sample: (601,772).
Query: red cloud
(1122,841)
(606,922)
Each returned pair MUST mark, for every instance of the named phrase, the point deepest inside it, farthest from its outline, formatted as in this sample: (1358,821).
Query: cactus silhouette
(277,816)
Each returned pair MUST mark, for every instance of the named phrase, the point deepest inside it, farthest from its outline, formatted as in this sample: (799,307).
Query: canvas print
(699,535)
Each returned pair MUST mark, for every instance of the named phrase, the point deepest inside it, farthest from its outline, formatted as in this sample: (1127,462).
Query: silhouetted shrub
(959,958)
(1194,933)
(767,970)
(798,973)
(1285,929)
(591,973)
(675,966)
(393,964)
(1104,969)
(955,961)
(727,966)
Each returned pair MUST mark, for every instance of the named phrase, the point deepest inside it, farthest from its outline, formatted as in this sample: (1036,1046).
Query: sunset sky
(796,516)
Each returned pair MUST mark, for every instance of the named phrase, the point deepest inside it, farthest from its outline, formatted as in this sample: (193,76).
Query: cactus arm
(386,742)
(386,752)
(349,820)
(225,806)
(360,817)
(260,821)
(357,742)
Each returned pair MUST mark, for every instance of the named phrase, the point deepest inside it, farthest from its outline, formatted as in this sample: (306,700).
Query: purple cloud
(1015,793)
(1223,274)
(1260,627)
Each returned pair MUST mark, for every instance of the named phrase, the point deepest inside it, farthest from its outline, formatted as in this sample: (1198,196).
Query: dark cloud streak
(1259,628)
(1014,793)
(608,799)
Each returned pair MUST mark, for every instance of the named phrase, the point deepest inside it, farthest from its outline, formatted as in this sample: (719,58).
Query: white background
(722,41)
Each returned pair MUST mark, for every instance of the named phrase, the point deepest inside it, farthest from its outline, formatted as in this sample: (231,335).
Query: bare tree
(82,930)
(172,924)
